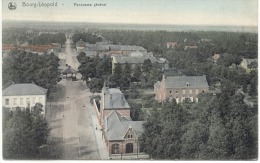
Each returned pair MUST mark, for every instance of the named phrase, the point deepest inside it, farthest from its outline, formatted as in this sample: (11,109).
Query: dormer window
(187,84)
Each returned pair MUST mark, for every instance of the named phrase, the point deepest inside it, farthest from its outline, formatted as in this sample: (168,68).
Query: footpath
(98,133)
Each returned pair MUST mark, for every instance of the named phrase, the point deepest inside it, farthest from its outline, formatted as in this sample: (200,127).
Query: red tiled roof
(31,48)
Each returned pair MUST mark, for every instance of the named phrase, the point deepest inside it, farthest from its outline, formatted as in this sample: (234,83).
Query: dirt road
(69,118)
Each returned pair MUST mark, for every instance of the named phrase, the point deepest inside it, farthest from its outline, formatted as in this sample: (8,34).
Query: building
(24,95)
(120,132)
(190,47)
(125,49)
(249,64)
(133,61)
(180,88)
(171,44)
(36,49)
(81,45)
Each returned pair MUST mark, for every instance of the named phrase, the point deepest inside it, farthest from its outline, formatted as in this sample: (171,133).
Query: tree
(147,66)
(23,67)
(95,85)
(24,133)
(126,76)
(117,75)
(136,73)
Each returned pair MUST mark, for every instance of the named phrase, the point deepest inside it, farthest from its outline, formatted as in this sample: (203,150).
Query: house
(215,57)
(125,49)
(141,54)
(24,95)
(96,49)
(119,131)
(133,61)
(249,64)
(190,47)
(171,44)
(180,88)
(29,32)
(39,49)
(81,45)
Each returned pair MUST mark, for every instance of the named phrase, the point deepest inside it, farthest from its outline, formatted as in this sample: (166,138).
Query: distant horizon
(130,23)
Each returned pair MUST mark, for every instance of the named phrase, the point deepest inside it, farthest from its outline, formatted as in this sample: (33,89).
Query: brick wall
(163,93)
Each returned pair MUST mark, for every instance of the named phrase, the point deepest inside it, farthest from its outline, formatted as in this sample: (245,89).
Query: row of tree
(86,37)
(23,67)
(220,127)
(48,38)
(24,133)
(97,70)
(144,75)
(241,44)
(94,70)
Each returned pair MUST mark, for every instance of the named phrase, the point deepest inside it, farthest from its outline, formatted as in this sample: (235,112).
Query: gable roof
(118,125)
(182,81)
(69,70)
(24,89)
(114,99)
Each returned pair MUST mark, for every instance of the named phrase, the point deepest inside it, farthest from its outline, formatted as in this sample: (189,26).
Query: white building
(24,96)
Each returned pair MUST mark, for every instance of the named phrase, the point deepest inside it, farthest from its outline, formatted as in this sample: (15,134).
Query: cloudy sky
(194,12)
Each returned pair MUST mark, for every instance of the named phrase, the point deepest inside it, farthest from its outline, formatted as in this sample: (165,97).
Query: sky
(182,12)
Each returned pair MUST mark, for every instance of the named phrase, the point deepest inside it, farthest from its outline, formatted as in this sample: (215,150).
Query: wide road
(71,57)
(69,116)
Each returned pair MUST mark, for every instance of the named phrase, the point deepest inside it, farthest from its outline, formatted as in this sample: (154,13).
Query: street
(69,117)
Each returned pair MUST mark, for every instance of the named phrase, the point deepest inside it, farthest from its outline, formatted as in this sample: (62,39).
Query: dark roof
(118,125)
(182,81)
(171,72)
(81,43)
(24,89)
(126,48)
(133,60)
(114,99)
(97,47)
(69,70)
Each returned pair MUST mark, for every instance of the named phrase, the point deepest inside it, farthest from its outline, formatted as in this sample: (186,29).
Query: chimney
(122,99)
(111,101)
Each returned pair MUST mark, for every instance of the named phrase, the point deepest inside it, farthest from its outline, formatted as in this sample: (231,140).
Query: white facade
(24,101)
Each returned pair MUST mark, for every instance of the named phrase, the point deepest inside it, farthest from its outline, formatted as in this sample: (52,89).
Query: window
(190,91)
(129,148)
(28,101)
(15,101)
(197,91)
(183,91)
(21,101)
(130,136)
(177,92)
(170,92)
(7,101)
(115,149)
